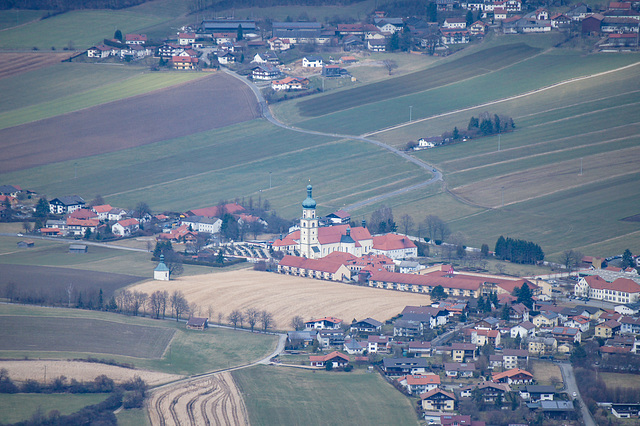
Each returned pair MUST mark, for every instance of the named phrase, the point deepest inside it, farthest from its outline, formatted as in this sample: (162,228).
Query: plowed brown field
(16,63)
(286,296)
(204,104)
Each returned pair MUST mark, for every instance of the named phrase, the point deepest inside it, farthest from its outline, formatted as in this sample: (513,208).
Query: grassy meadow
(189,352)
(20,407)
(276,396)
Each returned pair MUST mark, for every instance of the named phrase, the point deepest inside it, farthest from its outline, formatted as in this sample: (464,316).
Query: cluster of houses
(79,220)
(417,371)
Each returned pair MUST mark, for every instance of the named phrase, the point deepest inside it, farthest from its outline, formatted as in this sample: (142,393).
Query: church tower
(309,228)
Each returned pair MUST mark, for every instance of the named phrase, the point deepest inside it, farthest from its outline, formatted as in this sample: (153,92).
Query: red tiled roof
(392,242)
(83,214)
(322,265)
(104,208)
(135,37)
(327,357)
(511,373)
(621,284)
(435,391)
(426,379)
(128,222)
(433,279)
(213,211)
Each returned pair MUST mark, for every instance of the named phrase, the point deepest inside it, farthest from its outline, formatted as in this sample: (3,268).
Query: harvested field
(197,106)
(209,400)
(536,182)
(17,63)
(52,283)
(82,371)
(82,335)
(287,296)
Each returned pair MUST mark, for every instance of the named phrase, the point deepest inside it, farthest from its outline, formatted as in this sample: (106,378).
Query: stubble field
(17,63)
(47,370)
(286,296)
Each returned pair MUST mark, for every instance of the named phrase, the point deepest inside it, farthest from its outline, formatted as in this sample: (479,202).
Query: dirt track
(205,401)
(286,296)
(204,104)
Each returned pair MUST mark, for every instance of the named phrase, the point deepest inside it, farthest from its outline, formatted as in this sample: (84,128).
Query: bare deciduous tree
(266,319)
(178,304)
(252,315)
(571,259)
(407,223)
(235,318)
(297,323)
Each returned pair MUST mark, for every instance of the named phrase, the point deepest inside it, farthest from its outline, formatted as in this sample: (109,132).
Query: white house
(455,23)
(326,323)
(394,246)
(125,227)
(66,204)
(210,225)
(312,62)
(622,290)
(524,330)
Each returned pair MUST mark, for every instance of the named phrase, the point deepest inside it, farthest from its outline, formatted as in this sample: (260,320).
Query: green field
(69,87)
(77,29)
(276,396)
(190,352)
(20,407)
(13,18)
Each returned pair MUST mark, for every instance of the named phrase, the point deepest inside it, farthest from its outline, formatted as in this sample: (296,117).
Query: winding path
(266,113)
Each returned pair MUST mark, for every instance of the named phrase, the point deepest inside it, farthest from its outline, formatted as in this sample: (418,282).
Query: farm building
(77,248)
(196,323)
(336,359)
(25,244)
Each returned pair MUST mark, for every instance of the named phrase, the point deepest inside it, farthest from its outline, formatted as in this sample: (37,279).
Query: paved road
(571,386)
(266,113)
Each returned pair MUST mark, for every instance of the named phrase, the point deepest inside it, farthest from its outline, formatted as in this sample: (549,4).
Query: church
(313,241)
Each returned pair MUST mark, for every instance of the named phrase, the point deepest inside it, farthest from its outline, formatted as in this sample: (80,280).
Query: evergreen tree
(432,12)
(505,312)
(456,133)
(484,249)
(239,34)
(525,297)
(42,208)
(469,18)
(501,248)
(486,127)
(627,259)
(394,42)
(100,300)
(438,293)
(496,122)
(118,35)
(481,304)
(473,123)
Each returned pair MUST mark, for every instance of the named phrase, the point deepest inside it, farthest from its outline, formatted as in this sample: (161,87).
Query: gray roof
(301,335)
(296,25)
(556,405)
(371,322)
(223,25)
(540,389)
(69,200)
(8,189)
(408,362)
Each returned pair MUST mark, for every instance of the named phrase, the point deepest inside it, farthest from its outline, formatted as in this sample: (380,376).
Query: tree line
(518,251)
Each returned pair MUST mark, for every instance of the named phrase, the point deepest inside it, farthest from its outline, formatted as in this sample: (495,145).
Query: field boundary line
(537,144)
(497,101)
(559,120)
(576,104)
(541,154)
(556,191)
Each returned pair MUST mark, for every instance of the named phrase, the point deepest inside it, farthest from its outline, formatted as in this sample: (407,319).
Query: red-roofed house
(185,39)
(438,400)
(216,211)
(83,214)
(326,323)
(322,269)
(184,62)
(102,211)
(622,290)
(290,83)
(419,383)
(135,38)
(125,227)
(513,376)
(394,246)
(79,226)
(336,359)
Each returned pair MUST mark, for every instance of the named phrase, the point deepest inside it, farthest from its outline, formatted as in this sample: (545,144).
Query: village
(286,54)
(495,342)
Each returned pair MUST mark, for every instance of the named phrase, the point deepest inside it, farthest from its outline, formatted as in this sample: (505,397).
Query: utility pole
(269,180)
(580,166)
(75,170)
(502,195)
(499,141)
(410,112)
